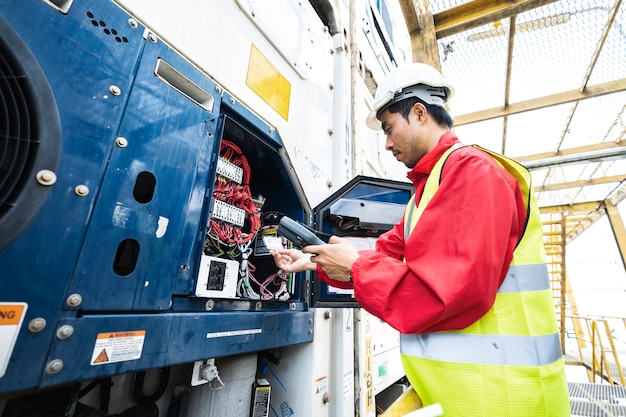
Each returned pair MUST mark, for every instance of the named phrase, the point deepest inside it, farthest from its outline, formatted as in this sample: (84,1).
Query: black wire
(89,387)
(138,394)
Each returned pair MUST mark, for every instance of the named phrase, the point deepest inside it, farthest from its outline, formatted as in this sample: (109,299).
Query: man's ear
(420,111)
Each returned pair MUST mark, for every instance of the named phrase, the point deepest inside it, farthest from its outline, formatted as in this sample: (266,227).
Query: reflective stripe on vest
(525,278)
(489,350)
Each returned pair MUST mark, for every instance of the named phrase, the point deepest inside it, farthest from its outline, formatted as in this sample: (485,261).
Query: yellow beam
(617,226)
(580,183)
(421,28)
(586,207)
(410,16)
(543,102)
(480,12)
(570,151)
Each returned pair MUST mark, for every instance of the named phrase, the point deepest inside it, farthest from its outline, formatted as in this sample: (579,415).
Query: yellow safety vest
(508,363)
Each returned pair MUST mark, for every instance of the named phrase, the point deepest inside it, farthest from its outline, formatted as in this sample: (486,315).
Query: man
(462,276)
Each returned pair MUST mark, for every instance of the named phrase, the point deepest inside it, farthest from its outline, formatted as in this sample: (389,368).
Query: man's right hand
(293,260)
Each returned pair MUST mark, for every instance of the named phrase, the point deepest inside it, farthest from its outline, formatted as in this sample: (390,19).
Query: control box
(217,278)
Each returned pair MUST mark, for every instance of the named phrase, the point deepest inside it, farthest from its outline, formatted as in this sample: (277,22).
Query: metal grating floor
(597,400)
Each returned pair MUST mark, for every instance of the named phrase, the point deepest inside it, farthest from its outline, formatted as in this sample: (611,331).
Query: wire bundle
(234,241)
(237,195)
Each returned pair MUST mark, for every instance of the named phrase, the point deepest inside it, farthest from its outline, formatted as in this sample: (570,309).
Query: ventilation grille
(28,113)
(19,145)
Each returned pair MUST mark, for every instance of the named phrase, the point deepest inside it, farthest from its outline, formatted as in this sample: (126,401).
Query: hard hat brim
(372,121)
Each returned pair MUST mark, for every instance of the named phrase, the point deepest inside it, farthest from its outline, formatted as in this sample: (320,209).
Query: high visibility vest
(508,363)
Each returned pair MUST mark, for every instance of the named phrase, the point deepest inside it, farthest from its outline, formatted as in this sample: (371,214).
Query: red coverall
(446,275)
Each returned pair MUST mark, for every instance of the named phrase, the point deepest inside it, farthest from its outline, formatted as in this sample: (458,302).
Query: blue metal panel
(173,339)
(173,138)
(233,333)
(153,188)
(80,61)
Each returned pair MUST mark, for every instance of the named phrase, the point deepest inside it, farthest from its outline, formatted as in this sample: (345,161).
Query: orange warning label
(121,334)
(102,357)
(11,317)
(321,384)
(114,347)
(11,313)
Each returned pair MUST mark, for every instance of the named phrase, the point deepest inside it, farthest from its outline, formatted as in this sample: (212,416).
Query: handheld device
(297,233)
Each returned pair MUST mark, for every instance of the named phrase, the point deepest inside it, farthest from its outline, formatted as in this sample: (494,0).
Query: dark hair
(404,107)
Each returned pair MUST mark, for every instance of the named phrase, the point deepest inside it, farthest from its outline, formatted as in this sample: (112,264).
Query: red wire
(238,195)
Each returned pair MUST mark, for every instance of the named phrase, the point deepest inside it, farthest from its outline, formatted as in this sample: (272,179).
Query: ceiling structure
(543,82)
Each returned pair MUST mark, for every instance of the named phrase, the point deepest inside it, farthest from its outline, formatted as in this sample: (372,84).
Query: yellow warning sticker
(11,317)
(369,375)
(118,347)
(269,84)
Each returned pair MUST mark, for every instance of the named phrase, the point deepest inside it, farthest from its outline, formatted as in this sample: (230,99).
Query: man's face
(403,138)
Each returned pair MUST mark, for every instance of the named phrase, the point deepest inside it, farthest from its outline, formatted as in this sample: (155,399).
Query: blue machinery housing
(110,153)
(110,146)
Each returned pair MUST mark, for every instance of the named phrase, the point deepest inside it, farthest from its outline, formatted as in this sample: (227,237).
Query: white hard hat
(412,80)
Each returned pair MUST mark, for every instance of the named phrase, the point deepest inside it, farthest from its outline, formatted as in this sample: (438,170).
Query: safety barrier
(600,341)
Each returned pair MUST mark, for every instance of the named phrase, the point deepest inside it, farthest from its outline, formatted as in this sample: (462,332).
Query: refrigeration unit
(136,197)
(139,198)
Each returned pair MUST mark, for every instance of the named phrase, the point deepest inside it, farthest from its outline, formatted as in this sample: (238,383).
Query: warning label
(321,385)
(265,80)
(11,317)
(118,347)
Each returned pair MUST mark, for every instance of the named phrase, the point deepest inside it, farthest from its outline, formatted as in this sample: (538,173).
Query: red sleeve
(321,275)
(393,246)
(457,255)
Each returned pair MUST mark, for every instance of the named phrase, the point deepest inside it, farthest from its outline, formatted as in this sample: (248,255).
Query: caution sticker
(11,317)
(118,347)
(265,80)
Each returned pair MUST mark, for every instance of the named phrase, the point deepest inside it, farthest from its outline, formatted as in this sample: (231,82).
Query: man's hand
(293,260)
(335,259)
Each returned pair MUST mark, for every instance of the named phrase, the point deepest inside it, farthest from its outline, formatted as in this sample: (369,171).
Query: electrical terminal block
(228,170)
(228,213)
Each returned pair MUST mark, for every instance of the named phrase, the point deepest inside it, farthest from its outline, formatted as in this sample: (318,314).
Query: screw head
(121,142)
(36,325)
(46,177)
(54,367)
(74,300)
(81,190)
(65,331)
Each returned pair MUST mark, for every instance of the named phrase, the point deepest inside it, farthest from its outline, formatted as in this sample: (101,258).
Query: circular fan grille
(30,136)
